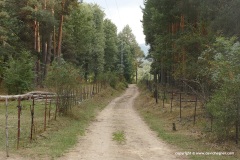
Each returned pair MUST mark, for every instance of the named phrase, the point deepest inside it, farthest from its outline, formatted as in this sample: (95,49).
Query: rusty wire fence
(24,117)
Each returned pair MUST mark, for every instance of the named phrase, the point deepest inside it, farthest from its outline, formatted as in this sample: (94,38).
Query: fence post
(7,145)
(156,92)
(81,90)
(19,116)
(180,106)
(49,111)
(56,107)
(32,114)
(163,98)
(33,105)
(45,114)
(172,101)
(211,123)
(195,110)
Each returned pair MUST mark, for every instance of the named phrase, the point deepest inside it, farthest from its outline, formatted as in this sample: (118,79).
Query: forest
(42,41)
(194,45)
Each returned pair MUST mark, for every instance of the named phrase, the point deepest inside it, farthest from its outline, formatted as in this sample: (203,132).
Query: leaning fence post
(7,145)
(19,116)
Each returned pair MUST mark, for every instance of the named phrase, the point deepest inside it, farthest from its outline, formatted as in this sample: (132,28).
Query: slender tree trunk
(37,49)
(162,72)
(60,32)
(49,53)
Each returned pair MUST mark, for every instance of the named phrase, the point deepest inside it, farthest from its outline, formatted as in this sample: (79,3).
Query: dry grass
(188,137)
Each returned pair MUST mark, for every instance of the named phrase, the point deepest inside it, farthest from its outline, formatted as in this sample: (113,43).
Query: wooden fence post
(156,93)
(195,111)
(180,106)
(163,98)
(45,114)
(32,123)
(172,101)
(19,116)
(7,145)
(81,90)
(49,111)
(33,105)
(211,123)
(57,97)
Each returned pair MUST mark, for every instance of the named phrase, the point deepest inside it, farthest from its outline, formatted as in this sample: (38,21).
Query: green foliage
(18,74)
(113,79)
(63,78)
(111,49)
(223,107)
(225,72)
(129,52)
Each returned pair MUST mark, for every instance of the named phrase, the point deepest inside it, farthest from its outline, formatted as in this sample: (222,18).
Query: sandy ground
(141,143)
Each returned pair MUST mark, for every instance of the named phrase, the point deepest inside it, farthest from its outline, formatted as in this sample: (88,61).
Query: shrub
(19,74)
(225,69)
(62,78)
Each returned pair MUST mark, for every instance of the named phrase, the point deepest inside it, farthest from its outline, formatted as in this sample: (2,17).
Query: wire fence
(176,100)
(24,117)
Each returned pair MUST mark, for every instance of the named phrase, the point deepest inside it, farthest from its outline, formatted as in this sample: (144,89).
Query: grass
(60,135)
(188,137)
(119,136)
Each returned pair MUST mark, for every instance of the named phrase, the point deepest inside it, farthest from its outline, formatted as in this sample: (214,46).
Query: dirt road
(141,143)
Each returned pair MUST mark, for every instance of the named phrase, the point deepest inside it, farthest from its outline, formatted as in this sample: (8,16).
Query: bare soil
(141,143)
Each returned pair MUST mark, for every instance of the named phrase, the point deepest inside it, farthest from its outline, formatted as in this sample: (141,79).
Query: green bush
(63,78)
(19,74)
(225,71)
(113,79)
(223,108)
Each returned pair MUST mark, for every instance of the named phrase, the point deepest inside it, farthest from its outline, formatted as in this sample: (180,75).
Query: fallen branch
(27,95)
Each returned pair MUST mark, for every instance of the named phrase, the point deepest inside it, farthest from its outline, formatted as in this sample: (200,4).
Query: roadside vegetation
(194,47)
(187,137)
(61,134)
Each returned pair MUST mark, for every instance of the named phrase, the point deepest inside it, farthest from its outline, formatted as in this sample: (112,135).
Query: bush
(113,80)
(19,74)
(62,78)
(223,108)
(225,69)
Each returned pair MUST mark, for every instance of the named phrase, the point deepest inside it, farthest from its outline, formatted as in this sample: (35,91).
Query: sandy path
(119,115)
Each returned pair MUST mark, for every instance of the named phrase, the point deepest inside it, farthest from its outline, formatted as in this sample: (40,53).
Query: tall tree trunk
(37,49)
(60,32)
(49,53)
